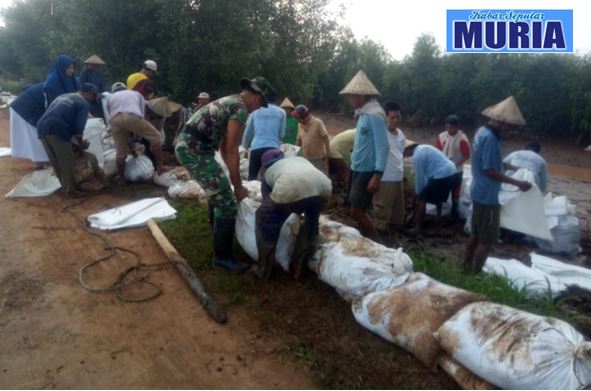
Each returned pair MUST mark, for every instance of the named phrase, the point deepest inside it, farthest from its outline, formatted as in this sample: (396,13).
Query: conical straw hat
(160,106)
(173,107)
(94,59)
(505,111)
(287,104)
(360,85)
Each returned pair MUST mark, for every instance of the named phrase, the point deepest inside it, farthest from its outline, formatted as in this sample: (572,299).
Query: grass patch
(497,289)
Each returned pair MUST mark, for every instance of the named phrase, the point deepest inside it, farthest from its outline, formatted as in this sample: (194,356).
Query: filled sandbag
(355,269)
(409,314)
(138,168)
(93,133)
(169,178)
(465,379)
(88,176)
(186,189)
(534,281)
(109,162)
(514,349)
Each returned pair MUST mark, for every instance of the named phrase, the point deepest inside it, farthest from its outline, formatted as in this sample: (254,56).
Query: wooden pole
(186,271)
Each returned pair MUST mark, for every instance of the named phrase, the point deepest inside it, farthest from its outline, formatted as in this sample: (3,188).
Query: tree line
(306,52)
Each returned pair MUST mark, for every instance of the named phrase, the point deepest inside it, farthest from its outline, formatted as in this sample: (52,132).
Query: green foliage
(208,45)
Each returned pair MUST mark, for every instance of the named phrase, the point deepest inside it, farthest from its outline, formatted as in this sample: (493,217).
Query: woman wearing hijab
(25,112)
(60,78)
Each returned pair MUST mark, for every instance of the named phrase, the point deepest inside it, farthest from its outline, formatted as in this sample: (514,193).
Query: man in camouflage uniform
(219,126)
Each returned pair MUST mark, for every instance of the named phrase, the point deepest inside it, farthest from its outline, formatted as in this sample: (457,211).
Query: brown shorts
(485,222)
(123,124)
(388,205)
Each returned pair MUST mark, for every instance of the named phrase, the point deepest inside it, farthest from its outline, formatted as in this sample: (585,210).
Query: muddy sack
(88,176)
(466,379)
(408,315)
(169,178)
(246,236)
(186,189)
(513,349)
(355,274)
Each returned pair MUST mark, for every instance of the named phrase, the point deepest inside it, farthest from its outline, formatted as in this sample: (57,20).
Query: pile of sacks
(482,345)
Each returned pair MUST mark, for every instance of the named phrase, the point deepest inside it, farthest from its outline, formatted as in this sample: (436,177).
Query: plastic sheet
(39,183)
(561,272)
(135,214)
(93,133)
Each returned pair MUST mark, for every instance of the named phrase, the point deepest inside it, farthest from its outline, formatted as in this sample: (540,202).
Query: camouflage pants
(200,161)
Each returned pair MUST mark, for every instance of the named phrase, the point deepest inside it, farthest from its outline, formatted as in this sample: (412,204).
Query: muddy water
(580,173)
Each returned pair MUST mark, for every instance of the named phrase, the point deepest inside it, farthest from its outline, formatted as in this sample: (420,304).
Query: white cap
(151,65)
(203,95)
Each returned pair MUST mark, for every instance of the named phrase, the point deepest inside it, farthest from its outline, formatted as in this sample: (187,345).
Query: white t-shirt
(394,171)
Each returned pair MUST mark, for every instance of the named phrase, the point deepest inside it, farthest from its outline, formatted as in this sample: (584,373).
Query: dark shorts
(358,193)
(485,222)
(254,165)
(437,190)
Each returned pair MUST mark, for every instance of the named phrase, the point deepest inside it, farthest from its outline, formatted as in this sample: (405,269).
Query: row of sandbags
(480,344)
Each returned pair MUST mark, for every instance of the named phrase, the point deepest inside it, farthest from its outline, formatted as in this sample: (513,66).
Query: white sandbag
(138,168)
(244,164)
(561,272)
(355,274)
(246,235)
(218,158)
(524,211)
(287,238)
(39,183)
(5,152)
(187,189)
(135,214)
(169,178)
(93,133)
(245,227)
(409,314)
(109,162)
(566,234)
(534,281)
(466,379)
(513,349)
(290,150)
(254,190)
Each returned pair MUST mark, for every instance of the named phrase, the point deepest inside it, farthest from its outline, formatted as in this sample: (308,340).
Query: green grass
(497,289)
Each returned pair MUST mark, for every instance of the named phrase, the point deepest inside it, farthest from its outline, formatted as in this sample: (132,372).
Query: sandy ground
(56,335)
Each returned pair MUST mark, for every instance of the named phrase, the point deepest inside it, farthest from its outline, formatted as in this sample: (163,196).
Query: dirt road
(56,335)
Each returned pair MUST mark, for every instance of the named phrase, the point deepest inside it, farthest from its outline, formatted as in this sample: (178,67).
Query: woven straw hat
(360,85)
(287,104)
(409,143)
(505,111)
(163,107)
(94,59)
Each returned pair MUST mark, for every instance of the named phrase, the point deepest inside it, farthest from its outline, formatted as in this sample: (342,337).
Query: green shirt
(291,130)
(210,123)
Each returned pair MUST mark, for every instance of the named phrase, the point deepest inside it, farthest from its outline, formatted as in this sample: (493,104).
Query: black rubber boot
(266,252)
(223,237)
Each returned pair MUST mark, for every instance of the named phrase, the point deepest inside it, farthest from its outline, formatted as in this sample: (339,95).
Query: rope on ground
(132,276)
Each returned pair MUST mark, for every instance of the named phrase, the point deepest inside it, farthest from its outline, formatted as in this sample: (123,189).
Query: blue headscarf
(56,81)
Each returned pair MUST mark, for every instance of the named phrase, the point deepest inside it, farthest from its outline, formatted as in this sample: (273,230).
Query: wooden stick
(186,271)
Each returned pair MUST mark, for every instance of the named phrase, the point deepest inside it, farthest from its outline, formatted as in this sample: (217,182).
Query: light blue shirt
(486,155)
(265,128)
(533,162)
(371,147)
(430,163)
